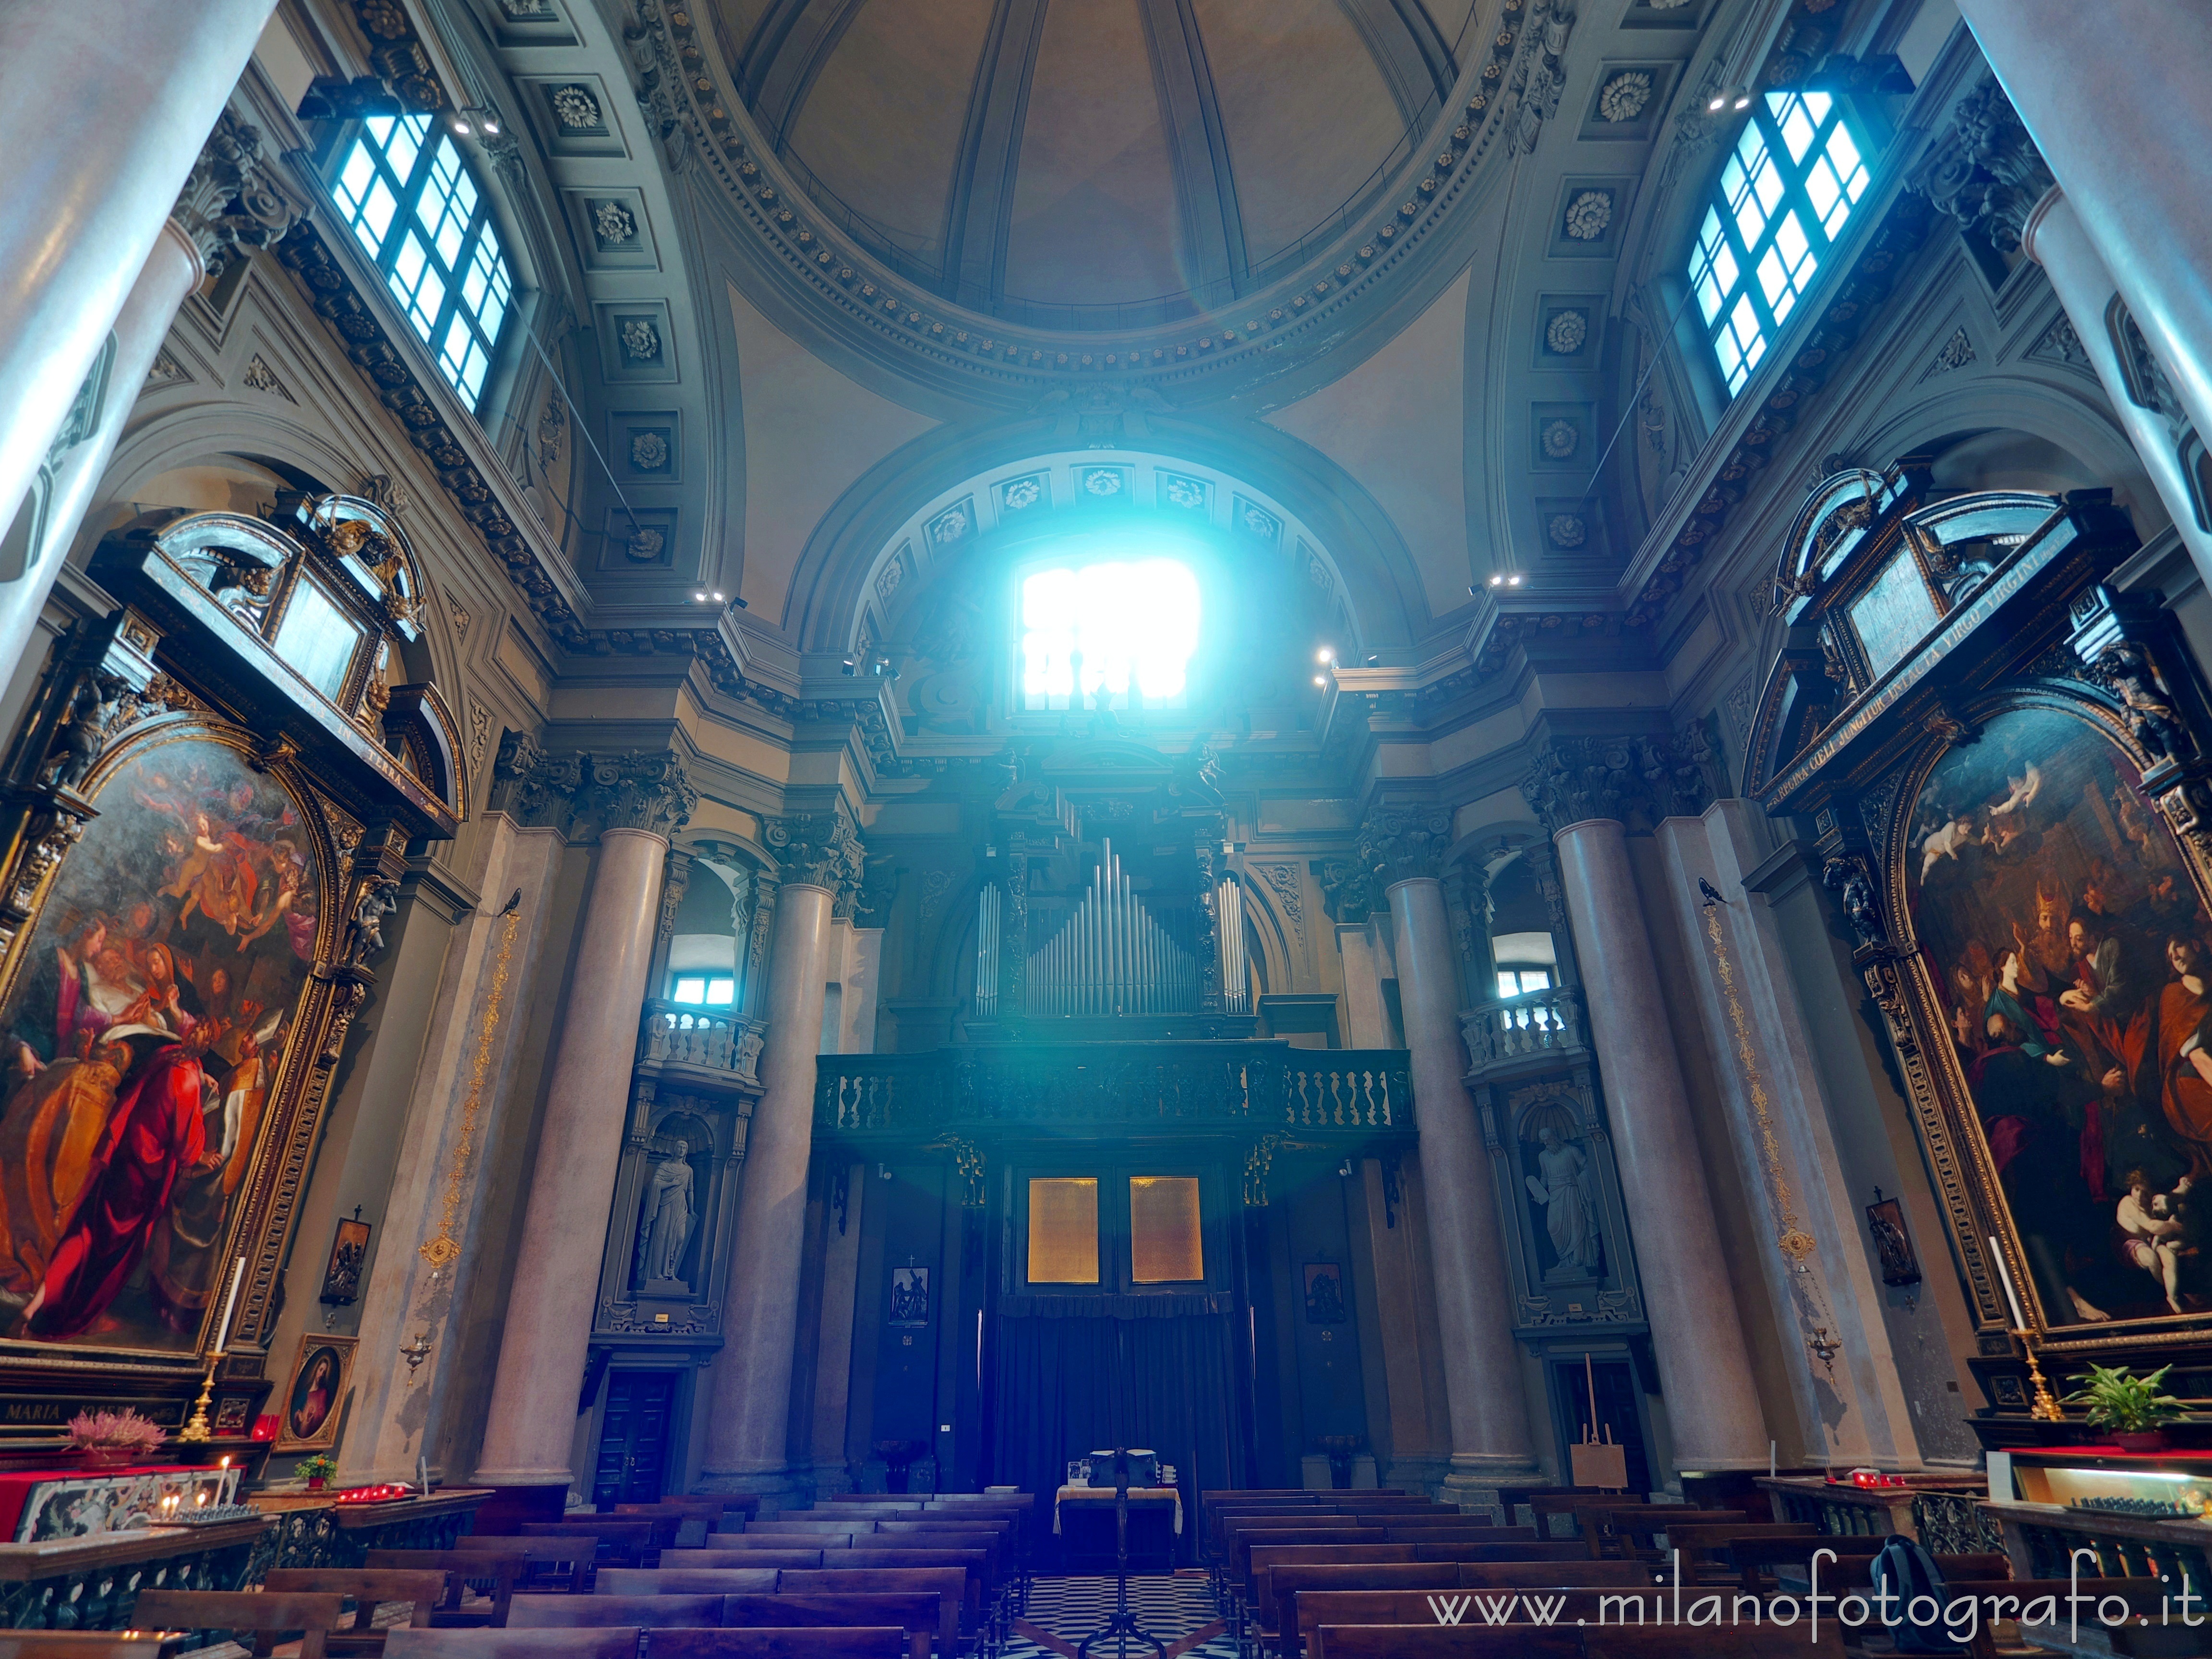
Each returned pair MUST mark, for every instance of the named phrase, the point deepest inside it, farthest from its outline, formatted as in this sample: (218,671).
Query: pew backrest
(918,1613)
(574,1612)
(618,1643)
(884,1642)
(953,1586)
(685,1580)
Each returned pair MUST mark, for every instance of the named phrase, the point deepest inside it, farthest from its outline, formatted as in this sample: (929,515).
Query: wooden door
(633,1459)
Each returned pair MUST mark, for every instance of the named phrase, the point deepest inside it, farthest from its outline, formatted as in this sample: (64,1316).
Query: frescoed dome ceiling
(1092,163)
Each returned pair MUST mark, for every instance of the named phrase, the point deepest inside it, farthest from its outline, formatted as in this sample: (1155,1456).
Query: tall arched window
(417,211)
(1797,172)
(1117,633)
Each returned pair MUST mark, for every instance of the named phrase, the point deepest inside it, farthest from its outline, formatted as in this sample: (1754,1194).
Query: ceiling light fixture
(1321,679)
(1513,581)
(1324,655)
(458,121)
(1495,582)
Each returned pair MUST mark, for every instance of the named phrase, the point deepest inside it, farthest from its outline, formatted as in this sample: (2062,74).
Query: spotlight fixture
(848,667)
(458,121)
(700,599)
(718,599)
(1495,582)
(1324,655)
(1321,679)
(1729,98)
(473,119)
(1742,101)
(1513,581)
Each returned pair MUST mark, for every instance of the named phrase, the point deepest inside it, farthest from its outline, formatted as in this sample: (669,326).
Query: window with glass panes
(1796,174)
(415,209)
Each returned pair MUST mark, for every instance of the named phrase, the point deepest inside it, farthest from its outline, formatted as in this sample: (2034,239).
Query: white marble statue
(666,1226)
(1568,1216)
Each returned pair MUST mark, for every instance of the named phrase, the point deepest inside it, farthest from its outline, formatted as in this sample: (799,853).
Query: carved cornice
(1985,172)
(1635,780)
(234,198)
(1402,843)
(820,850)
(582,794)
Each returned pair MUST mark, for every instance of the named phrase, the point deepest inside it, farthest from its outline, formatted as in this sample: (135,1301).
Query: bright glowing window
(1793,179)
(1518,981)
(1124,628)
(706,990)
(416,210)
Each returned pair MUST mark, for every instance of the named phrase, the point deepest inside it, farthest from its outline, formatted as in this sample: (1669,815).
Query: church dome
(1094,163)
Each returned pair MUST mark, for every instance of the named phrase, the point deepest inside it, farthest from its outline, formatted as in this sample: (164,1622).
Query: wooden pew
(2144,1597)
(266,1615)
(685,1580)
(498,1573)
(1756,1558)
(623,1541)
(1701,1546)
(952,1592)
(760,1555)
(1605,1530)
(369,1590)
(918,1613)
(1574,1503)
(1524,1642)
(888,1641)
(618,1643)
(1280,1597)
(641,1611)
(90,1644)
(565,1558)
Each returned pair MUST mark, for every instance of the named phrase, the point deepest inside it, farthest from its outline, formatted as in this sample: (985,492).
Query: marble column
(2056,238)
(198,239)
(638,801)
(2114,97)
(103,109)
(1491,1444)
(1704,1364)
(750,1415)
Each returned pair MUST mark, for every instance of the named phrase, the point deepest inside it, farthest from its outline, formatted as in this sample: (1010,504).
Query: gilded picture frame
(313,1400)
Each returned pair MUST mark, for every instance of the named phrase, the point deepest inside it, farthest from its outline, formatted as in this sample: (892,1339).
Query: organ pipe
(986,952)
(1235,971)
(1111,956)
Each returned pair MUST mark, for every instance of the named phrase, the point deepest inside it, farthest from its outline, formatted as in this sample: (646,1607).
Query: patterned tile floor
(1169,1607)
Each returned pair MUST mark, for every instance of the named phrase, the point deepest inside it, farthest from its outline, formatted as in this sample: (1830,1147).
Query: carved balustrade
(1536,1025)
(1255,1087)
(720,1041)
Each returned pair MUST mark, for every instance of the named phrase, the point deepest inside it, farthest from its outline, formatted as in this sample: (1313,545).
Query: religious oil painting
(146,1024)
(2067,941)
(310,1405)
(909,1302)
(1325,1303)
(342,1272)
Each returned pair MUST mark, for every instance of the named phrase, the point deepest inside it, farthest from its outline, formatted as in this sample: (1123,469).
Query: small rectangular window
(1063,1230)
(721,991)
(1165,1244)
(689,988)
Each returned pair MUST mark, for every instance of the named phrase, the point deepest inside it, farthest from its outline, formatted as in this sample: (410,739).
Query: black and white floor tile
(1169,1608)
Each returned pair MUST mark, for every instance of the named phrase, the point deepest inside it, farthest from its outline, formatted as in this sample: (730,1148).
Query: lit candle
(230,1306)
(2018,1319)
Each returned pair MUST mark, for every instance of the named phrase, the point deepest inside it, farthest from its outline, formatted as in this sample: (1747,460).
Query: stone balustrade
(716,1040)
(1536,1025)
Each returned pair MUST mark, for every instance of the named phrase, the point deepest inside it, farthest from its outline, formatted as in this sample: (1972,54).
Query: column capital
(1985,172)
(234,198)
(818,849)
(582,794)
(1629,779)
(1403,841)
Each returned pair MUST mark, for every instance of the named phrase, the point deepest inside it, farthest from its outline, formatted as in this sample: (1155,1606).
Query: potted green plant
(316,1471)
(2131,1407)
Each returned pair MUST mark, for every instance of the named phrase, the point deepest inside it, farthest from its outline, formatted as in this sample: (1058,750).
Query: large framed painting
(149,1023)
(314,1400)
(2066,944)
(204,816)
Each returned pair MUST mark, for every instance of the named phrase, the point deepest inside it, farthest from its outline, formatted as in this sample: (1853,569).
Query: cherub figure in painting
(2151,1236)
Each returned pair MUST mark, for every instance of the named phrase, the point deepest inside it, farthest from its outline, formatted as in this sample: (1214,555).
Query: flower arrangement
(113,1438)
(316,1470)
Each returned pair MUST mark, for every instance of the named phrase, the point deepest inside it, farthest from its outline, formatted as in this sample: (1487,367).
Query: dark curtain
(1067,1385)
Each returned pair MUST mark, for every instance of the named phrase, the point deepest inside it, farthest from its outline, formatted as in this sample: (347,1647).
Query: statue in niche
(1562,1187)
(665,1220)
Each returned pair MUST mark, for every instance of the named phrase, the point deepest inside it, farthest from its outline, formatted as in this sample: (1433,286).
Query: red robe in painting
(155,1131)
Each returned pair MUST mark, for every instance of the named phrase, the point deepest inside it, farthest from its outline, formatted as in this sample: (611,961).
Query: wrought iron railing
(709,1039)
(1264,1086)
(1534,1024)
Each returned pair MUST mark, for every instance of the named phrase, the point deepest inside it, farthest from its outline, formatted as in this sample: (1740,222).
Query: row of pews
(1383,1575)
(685,1578)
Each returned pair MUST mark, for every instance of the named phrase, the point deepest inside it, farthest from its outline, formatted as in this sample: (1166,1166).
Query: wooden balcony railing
(1260,1085)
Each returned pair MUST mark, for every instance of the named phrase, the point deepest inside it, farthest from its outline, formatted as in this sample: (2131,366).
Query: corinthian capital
(1637,780)
(818,849)
(641,790)
(233,199)
(580,794)
(1399,843)
(1985,172)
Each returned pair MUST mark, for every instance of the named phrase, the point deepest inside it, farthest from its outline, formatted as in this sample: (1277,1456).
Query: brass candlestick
(2046,1408)
(198,1430)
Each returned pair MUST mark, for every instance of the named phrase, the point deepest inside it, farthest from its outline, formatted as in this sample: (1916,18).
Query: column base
(1476,1477)
(1422,1474)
